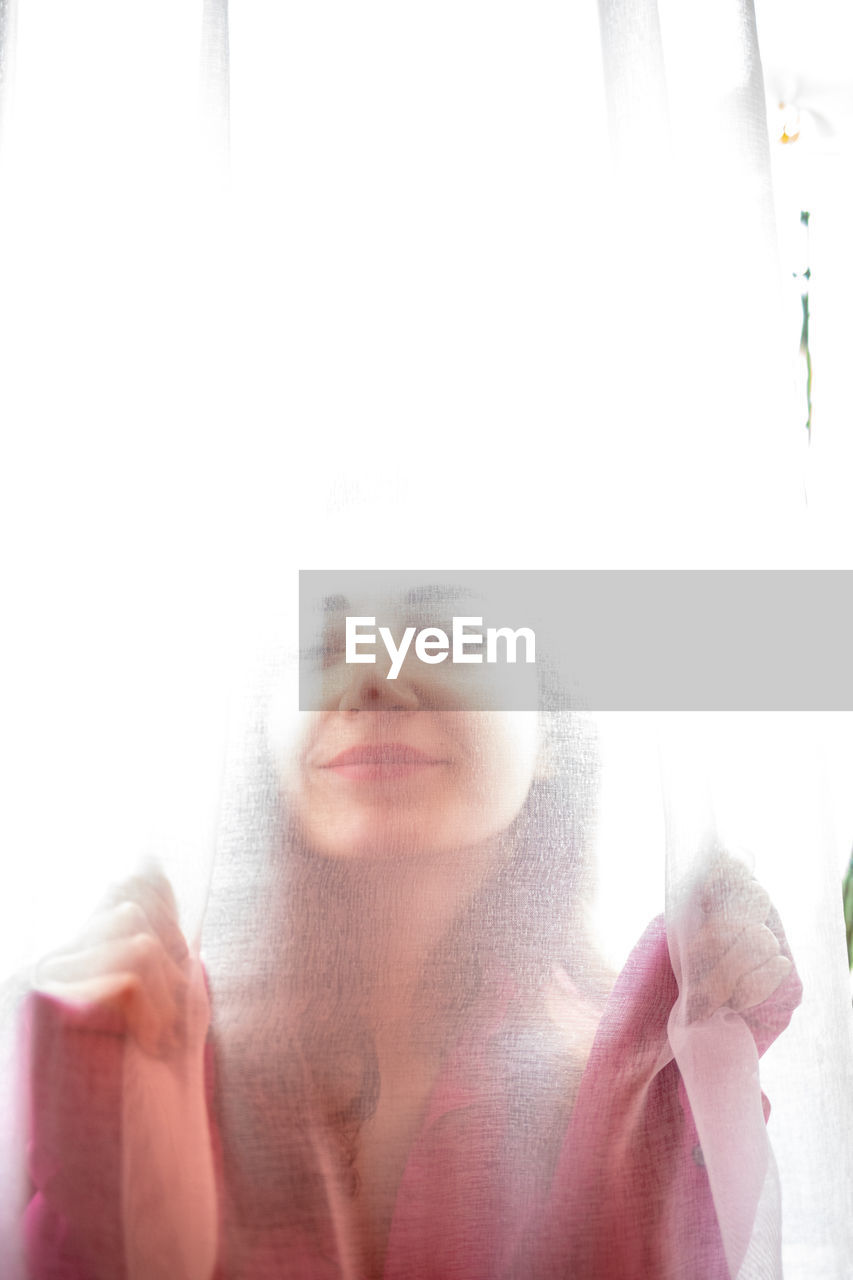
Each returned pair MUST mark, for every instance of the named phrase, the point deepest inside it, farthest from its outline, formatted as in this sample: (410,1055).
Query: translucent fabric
(566,994)
(550,1116)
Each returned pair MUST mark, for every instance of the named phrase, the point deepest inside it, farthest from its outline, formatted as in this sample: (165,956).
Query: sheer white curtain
(687,102)
(416,318)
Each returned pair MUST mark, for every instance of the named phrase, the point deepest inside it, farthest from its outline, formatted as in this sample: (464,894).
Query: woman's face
(400,769)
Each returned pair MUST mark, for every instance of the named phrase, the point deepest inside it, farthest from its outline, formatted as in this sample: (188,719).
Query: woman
(416,1064)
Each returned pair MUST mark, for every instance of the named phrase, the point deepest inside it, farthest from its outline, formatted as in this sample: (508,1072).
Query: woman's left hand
(735,959)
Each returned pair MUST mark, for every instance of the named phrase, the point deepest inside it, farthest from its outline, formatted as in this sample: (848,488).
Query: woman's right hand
(129,971)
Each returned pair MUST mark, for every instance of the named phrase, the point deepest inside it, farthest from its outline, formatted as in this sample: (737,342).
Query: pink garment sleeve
(631,1196)
(72,1225)
(74,1220)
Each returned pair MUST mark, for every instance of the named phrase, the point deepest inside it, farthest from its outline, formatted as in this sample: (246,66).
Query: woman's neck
(408,910)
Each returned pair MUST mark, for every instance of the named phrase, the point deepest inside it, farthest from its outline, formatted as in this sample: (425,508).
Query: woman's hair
(290,971)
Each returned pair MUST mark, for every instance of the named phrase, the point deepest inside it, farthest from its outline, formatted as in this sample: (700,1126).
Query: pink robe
(630,1198)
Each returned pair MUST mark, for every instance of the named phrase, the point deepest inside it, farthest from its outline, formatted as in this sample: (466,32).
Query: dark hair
(294,1051)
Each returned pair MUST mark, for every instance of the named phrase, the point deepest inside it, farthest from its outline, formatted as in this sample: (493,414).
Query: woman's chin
(386,839)
(365,850)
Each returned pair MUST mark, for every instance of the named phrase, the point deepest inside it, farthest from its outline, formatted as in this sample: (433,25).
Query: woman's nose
(370,689)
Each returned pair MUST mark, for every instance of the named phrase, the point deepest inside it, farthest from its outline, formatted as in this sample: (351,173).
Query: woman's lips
(391,760)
